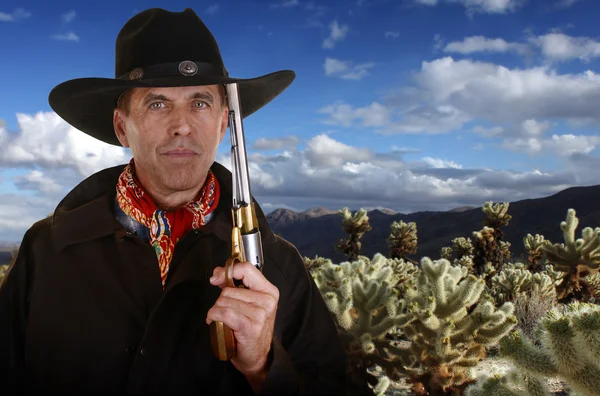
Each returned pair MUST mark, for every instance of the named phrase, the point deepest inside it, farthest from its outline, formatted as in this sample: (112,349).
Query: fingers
(241,315)
(251,276)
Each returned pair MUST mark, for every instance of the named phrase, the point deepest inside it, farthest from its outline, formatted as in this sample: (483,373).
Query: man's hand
(250,313)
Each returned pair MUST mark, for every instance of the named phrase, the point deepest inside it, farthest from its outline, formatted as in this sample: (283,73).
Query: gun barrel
(238,144)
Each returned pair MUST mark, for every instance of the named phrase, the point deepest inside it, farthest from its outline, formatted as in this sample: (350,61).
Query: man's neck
(168,200)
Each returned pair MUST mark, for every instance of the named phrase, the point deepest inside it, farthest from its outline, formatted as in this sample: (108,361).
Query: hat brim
(88,103)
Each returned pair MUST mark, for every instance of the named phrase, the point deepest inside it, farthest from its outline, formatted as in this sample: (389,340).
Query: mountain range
(315,232)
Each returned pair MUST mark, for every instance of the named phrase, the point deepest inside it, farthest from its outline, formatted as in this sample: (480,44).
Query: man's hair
(125,99)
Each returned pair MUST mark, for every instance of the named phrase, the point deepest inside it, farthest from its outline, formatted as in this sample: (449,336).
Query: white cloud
(565,3)
(562,145)
(68,16)
(17,15)
(481,6)
(450,93)
(392,34)
(66,37)
(212,10)
(285,4)
(275,143)
(373,115)
(325,151)
(441,163)
(474,44)
(337,33)
(534,128)
(489,6)
(487,132)
(38,181)
(48,141)
(345,69)
(560,47)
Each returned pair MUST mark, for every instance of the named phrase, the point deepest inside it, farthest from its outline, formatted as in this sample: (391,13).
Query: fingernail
(213,279)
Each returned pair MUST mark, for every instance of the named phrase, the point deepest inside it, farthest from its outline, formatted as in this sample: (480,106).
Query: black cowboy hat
(158,48)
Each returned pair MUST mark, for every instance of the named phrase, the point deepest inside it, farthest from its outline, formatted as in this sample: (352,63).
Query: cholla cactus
(577,258)
(489,246)
(533,244)
(448,334)
(465,261)
(404,273)
(446,252)
(3,269)
(402,239)
(515,279)
(512,383)
(362,298)
(496,215)
(570,348)
(354,225)
(460,253)
(312,264)
(463,247)
(487,249)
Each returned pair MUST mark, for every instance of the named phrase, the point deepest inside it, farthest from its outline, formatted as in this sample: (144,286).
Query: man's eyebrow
(151,97)
(204,95)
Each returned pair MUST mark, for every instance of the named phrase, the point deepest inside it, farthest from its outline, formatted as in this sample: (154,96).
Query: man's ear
(119,126)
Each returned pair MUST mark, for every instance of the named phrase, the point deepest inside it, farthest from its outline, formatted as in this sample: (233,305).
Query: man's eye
(155,105)
(200,104)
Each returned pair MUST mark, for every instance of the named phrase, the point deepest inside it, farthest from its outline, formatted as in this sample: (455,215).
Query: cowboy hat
(158,48)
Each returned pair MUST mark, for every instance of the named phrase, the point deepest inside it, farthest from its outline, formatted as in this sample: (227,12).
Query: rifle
(246,243)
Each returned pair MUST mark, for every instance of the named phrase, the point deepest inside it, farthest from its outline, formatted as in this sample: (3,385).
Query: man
(115,292)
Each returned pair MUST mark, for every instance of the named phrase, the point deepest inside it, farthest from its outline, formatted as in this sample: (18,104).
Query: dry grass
(530,307)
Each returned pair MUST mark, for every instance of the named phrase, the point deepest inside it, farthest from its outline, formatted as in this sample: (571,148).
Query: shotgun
(246,243)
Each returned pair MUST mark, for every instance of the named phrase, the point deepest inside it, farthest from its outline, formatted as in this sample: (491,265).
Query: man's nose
(181,123)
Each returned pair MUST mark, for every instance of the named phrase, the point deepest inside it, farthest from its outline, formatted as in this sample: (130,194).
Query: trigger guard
(229,280)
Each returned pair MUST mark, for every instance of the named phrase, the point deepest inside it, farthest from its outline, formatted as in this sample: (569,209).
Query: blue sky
(403,104)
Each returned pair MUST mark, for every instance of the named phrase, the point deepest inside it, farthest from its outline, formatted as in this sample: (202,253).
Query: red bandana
(166,228)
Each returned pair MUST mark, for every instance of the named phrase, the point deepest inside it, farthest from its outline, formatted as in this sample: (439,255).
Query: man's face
(173,134)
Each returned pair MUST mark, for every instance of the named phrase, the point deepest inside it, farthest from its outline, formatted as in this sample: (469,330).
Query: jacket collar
(86,212)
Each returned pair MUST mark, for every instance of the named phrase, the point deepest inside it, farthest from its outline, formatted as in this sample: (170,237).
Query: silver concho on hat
(188,68)
(136,73)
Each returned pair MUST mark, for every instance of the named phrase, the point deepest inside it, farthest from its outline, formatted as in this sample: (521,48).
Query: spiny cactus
(570,348)
(402,239)
(489,244)
(511,383)
(496,216)
(3,269)
(312,264)
(446,252)
(404,273)
(354,225)
(487,251)
(447,336)
(593,283)
(362,298)
(462,247)
(515,279)
(533,244)
(577,258)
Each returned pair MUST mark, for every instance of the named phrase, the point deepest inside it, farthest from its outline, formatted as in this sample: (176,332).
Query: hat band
(185,68)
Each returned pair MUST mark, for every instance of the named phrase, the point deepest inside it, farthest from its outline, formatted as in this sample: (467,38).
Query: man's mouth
(180,153)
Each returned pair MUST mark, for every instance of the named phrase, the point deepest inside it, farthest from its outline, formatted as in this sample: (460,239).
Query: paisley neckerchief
(166,228)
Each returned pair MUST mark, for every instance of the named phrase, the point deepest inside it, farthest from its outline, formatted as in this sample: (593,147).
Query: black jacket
(82,307)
